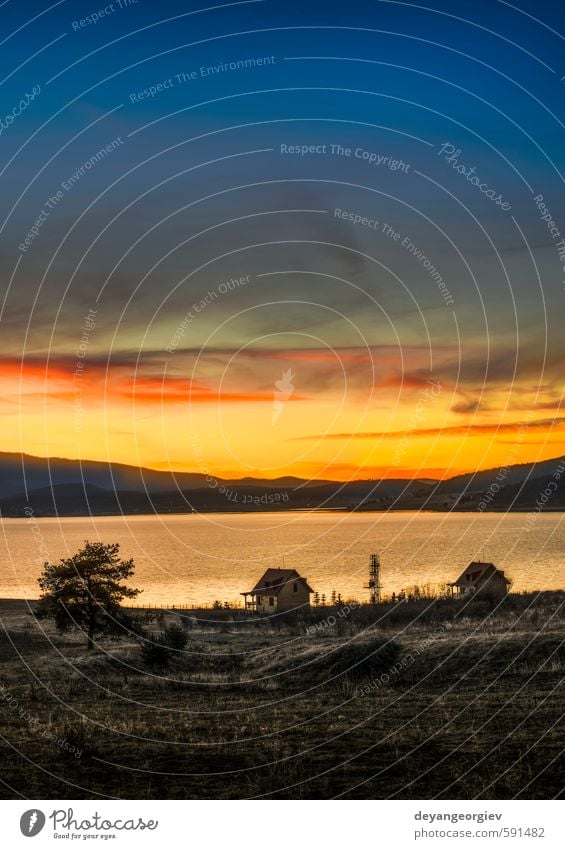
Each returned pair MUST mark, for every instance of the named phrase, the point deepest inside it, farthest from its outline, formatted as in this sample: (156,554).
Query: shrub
(367,659)
(159,651)
(175,637)
(155,655)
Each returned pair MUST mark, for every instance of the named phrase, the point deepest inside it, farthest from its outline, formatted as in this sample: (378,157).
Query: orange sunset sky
(341,413)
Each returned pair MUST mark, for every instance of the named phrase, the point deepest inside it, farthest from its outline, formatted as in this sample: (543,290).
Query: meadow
(427,699)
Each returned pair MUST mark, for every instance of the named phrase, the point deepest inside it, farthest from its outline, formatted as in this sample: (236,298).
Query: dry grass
(409,703)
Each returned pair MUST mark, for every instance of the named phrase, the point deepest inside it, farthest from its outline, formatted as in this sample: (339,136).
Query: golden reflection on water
(195,559)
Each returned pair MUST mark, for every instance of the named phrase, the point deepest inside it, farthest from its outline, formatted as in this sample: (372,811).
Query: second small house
(278,590)
(481,579)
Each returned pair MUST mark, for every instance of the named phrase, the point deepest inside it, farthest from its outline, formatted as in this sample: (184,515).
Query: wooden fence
(173,607)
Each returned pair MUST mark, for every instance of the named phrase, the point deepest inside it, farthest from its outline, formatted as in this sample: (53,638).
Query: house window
(271,601)
(295,588)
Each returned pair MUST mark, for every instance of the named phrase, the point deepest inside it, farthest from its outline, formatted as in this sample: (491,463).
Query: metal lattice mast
(374,585)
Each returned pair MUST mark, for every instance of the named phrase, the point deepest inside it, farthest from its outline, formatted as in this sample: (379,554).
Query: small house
(481,578)
(278,590)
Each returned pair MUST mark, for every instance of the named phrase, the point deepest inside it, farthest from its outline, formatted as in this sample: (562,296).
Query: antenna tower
(374,585)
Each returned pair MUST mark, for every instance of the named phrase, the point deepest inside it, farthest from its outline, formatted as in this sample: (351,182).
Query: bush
(367,659)
(159,651)
(155,655)
(175,637)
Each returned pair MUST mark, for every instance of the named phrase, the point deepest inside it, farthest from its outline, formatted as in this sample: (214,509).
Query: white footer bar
(280,824)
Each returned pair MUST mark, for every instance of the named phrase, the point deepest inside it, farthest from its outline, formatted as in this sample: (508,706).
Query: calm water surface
(199,558)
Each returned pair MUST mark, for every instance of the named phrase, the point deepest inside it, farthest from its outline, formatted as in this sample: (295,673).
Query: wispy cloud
(449,430)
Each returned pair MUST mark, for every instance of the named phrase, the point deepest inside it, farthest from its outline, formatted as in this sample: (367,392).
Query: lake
(193,559)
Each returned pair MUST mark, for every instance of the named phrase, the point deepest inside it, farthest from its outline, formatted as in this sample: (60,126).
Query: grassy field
(419,700)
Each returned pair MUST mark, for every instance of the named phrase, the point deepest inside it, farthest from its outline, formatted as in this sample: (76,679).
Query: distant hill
(479,481)
(19,473)
(88,499)
(545,493)
(72,488)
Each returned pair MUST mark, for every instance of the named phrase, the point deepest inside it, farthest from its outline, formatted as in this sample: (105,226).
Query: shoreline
(518,510)
(19,602)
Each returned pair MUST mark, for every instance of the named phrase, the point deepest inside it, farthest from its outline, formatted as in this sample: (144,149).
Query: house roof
(274,580)
(476,573)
